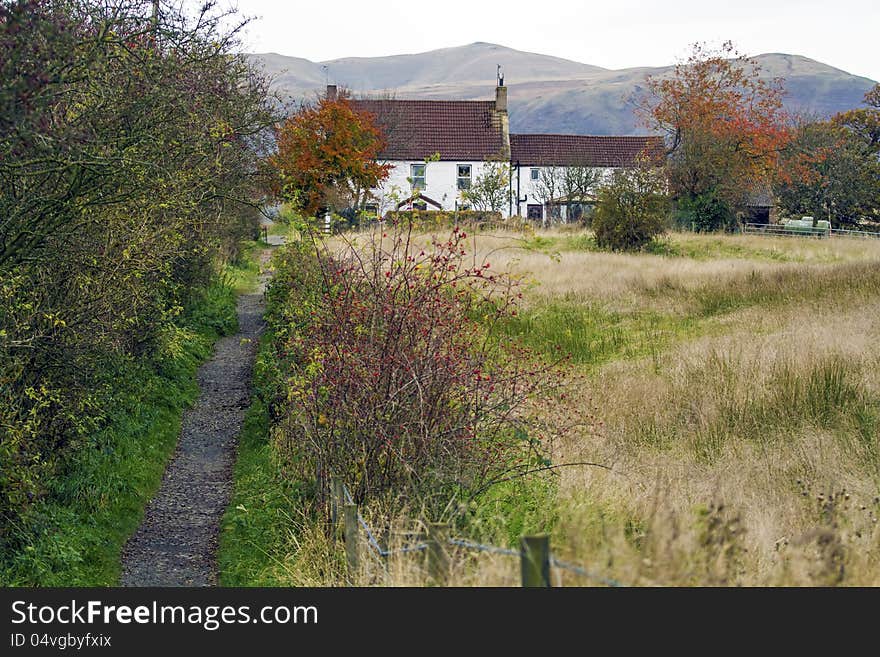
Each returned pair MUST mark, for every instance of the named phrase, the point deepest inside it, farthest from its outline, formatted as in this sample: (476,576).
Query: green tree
(864,122)
(632,209)
(829,172)
(489,191)
(705,212)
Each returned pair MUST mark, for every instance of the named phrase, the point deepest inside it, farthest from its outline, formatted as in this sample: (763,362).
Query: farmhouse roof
(583,150)
(456,129)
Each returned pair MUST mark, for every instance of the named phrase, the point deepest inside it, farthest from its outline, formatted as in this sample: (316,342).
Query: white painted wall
(529,187)
(441,183)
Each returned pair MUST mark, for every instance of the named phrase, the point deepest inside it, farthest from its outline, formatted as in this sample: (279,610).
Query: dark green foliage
(632,209)
(128,170)
(705,213)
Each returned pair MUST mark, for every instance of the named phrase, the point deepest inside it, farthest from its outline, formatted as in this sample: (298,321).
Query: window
(580,211)
(462,205)
(535,211)
(417,175)
(464,176)
(421,206)
(535,174)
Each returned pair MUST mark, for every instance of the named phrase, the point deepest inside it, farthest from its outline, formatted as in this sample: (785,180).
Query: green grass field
(727,386)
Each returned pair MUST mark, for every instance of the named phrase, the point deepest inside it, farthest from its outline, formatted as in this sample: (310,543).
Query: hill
(546,94)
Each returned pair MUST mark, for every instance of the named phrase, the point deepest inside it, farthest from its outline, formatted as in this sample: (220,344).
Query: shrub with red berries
(392,374)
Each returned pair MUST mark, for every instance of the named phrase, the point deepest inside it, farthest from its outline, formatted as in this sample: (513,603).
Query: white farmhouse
(439,147)
(543,166)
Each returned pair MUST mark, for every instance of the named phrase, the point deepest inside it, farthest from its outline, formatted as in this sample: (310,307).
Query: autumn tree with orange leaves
(831,169)
(724,128)
(327,156)
(828,173)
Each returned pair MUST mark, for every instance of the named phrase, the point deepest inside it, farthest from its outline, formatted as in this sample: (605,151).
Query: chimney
(331,92)
(502,117)
(501,98)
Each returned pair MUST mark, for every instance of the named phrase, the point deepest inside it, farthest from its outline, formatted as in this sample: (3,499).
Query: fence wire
(580,570)
(472,545)
(480,547)
(371,538)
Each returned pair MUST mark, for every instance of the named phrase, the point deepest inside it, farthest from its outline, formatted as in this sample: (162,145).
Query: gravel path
(176,544)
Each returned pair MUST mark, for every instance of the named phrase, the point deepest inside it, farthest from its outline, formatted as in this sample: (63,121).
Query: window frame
(414,178)
(459,179)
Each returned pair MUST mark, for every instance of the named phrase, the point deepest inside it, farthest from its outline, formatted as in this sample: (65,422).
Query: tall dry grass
(750,455)
(741,449)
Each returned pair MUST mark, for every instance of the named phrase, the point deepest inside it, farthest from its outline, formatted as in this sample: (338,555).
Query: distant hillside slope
(547,94)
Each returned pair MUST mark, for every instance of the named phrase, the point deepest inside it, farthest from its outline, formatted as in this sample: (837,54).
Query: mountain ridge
(546,93)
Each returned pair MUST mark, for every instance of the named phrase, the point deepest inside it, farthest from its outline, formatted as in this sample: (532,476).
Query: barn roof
(583,150)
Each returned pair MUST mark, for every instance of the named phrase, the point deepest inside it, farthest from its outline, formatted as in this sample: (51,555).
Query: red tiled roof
(582,150)
(456,129)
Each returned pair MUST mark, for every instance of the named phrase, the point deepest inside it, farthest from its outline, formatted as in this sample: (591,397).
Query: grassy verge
(257,526)
(74,536)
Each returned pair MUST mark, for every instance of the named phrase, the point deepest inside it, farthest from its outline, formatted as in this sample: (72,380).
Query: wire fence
(542,558)
(781,230)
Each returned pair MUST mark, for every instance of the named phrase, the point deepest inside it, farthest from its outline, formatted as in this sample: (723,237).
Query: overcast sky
(611,33)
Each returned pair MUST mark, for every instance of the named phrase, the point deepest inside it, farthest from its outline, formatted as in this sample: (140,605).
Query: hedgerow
(128,161)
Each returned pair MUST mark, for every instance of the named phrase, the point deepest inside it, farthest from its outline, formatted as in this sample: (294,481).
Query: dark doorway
(759,215)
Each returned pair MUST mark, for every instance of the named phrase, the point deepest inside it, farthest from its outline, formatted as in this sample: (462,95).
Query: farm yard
(721,419)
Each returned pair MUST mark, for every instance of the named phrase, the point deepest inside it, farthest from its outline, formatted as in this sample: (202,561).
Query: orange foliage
(723,122)
(329,148)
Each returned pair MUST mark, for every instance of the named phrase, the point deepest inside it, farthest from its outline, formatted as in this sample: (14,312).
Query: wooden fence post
(336,502)
(320,482)
(535,560)
(351,539)
(438,557)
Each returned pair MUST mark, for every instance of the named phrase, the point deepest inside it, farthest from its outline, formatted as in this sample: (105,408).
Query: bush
(393,377)
(421,219)
(631,211)
(126,172)
(705,213)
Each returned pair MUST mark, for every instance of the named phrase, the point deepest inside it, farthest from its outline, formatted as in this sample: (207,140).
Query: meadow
(725,391)
(737,403)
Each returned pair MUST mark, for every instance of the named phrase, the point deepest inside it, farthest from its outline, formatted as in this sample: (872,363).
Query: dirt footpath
(176,544)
